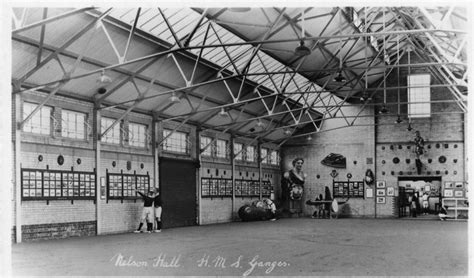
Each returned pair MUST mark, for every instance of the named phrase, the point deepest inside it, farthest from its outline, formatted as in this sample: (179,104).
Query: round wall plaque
(442,159)
(60,159)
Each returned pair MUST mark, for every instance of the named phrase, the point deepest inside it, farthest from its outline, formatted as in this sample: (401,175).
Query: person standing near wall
(293,186)
(158,210)
(414,204)
(147,211)
(425,204)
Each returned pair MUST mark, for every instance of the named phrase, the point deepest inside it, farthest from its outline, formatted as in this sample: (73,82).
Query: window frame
(239,156)
(142,143)
(264,155)
(65,122)
(223,154)
(274,160)
(116,128)
(246,158)
(208,145)
(45,131)
(173,147)
(421,93)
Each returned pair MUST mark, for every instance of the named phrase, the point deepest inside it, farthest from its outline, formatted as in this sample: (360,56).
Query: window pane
(274,159)
(221,150)
(40,123)
(73,124)
(176,142)
(419,96)
(250,153)
(205,141)
(238,152)
(113,135)
(137,135)
(263,155)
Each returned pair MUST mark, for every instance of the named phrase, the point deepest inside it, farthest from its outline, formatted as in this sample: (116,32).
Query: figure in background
(414,204)
(419,150)
(158,210)
(147,212)
(443,213)
(425,203)
(292,187)
(327,205)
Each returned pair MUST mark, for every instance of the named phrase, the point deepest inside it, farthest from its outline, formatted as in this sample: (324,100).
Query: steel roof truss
(64,46)
(41,42)
(225,49)
(170,28)
(18,22)
(61,84)
(180,69)
(112,44)
(200,53)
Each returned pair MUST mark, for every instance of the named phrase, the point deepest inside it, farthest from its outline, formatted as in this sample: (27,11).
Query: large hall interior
(294,140)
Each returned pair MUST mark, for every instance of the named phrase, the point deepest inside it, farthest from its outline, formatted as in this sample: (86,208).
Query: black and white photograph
(219,138)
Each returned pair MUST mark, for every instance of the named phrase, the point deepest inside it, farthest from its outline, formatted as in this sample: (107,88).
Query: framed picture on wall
(380,200)
(380,184)
(448,184)
(380,192)
(390,191)
(459,185)
(448,193)
(458,193)
(369,193)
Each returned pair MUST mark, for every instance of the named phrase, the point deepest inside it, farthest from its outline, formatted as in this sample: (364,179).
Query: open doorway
(428,191)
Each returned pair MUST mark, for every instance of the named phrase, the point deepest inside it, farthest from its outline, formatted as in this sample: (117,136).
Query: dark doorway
(178,192)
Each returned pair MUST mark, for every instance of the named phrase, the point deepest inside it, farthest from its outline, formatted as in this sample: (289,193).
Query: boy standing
(147,211)
(158,210)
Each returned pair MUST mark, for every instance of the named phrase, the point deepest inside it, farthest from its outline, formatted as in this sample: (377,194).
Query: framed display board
(125,186)
(39,184)
(353,189)
(222,187)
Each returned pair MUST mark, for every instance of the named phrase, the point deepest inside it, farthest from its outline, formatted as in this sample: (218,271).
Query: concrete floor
(290,247)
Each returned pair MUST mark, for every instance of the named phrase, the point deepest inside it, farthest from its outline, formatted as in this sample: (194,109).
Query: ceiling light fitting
(384,110)
(239,9)
(260,124)
(302,50)
(104,79)
(339,78)
(174,98)
(409,128)
(223,113)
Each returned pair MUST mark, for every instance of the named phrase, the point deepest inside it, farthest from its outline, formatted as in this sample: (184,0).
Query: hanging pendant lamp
(302,50)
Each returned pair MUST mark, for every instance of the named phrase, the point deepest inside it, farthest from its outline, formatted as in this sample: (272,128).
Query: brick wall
(443,133)
(356,143)
(219,210)
(56,230)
